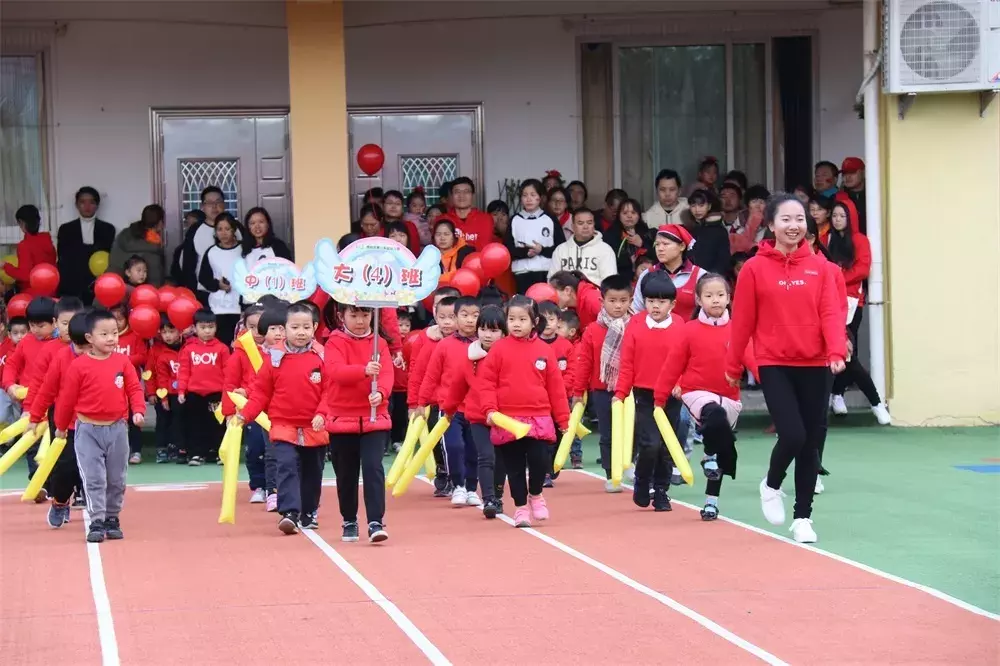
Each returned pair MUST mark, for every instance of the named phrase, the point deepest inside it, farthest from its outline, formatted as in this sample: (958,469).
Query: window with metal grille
(196,175)
(427,171)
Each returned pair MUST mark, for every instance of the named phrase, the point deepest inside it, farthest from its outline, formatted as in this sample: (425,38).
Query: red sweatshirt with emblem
(789,305)
(520,377)
(168,367)
(41,364)
(7,348)
(100,390)
(48,390)
(291,386)
(131,345)
(643,351)
(202,366)
(464,392)
(587,363)
(448,357)
(152,356)
(348,410)
(238,373)
(563,349)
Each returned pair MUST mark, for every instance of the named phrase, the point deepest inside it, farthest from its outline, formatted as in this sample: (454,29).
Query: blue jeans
(256,443)
(461,456)
(602,407)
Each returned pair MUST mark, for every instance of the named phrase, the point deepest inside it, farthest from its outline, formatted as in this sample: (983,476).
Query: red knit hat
(676,233)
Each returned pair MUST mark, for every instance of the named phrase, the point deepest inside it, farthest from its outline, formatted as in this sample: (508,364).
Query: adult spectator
(629,237)
(260,242)
(577,194)
(454,250)
(143,238)
(612,200)
(77,240)
(852,172)
(825,178)
(585,251)
(475,225)
(217,271)
(671,247)
(576,292)
(199,238)
(670,205)
(532,238)
(731,198)
(35,248)
(191,218)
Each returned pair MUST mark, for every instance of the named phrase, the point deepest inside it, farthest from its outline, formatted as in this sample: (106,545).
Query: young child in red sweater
(398,407)
(598,359)
(133,346)
(169,411)
(463,396)
(520,378)
(649,339)
(569,329)
(199,388)
(9,410)
(102,388)
(695,372)
(357,440)
(563,349)
(238,377)
(292,386)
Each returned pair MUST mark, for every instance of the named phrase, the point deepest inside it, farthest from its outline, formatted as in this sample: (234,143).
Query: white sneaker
(881,412)
(819,486)
(629,475)
(459,496)
(609,487)
(472,499)
(258,496)
(802,530)
(772,504)
(838,405)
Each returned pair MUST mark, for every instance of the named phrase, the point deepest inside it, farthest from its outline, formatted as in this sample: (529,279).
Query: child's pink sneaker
(272,502)
(521,517)
(539,510)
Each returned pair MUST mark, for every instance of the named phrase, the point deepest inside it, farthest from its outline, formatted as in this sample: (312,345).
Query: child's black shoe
(640,494)
(350,533)
(96,532)
(709,512)
(660,500)
(376,532)
(309,522)
(492,507)
(113,528)
(289,523)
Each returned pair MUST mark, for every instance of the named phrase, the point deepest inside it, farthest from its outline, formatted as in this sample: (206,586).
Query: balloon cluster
(478,267)
(147,302)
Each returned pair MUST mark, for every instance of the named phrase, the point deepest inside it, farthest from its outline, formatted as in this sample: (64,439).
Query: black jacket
(626,253)
(73,256)
(711,247)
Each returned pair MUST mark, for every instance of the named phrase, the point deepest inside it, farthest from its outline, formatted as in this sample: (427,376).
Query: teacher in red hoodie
(788,303)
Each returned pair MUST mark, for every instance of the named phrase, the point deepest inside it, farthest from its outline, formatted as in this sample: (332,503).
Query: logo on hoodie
(315,376)
(540,364)
(120,380)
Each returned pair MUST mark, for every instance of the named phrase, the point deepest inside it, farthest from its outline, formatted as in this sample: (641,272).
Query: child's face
(551,325)
(357,321)
(137,274)
(399,237)
(104,337)
(616,303)
(121,319)
(519,322)
(466,319)
(300,328)
(565,331)
(170,335)
(640,268)
(487,336)
(42,330)
(62,325)
(275,335)
(757,206)
(17,332)
(713,298)
(393,208)
(700,210)
(444,316)
(658,308)
(405,326)
(205,331)
(251,324)
(418,206)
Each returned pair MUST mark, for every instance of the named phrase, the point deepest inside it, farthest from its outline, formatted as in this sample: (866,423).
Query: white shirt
(222,262)
(87,225)
(528,229)
(204,238)
(258,253)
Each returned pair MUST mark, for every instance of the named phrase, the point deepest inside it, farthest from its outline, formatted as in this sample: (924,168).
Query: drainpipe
(873,190)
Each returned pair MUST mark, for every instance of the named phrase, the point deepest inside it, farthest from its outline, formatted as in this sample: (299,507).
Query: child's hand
(318,422)
(489,418)
(60,434)
(375,399)
(573,402)
(240,391)
(165,404)
(398,361)
(676,392)
(138,420)
(415,411)
(237,419)
(731,381)
(373,368)
(13,391)
(181,397)
(837,367)
(151,399)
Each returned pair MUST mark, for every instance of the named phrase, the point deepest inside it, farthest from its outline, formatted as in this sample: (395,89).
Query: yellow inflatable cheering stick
(15,452)
(566,443)
(231,470)
(513,426)
(262,419)
(44,470)
(628,434)
(15,428)
(406,451)
(617,445)
(43,446)
(21,393)
(250,347)
(673,446)
(418,460)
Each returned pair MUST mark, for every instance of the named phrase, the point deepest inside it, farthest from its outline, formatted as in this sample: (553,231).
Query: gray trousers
(102,456)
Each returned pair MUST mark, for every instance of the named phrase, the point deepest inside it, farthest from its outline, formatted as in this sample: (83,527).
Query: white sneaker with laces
(459,496)
(838,405)
(772,504)
(819,486)
(610,487)
(802,530)
(881,412)
(472,499)
(629,475)
(258,496)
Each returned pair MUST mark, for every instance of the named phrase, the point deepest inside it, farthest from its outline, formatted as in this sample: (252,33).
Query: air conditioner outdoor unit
(934,46)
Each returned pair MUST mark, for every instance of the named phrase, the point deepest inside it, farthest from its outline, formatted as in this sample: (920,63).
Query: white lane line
(673,604)
(938,594)
(102,603)
(424,644)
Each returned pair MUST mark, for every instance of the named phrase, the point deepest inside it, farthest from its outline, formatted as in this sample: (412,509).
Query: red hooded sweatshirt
(790,307)
(446,361)
(347,407)
(588,303)
(292,387)
(476,228)
(131,345)
(100,390)
(46,393)
(644,349)
(520,377)
(587,362)
(238,373)
(22,366)
(168,367)
(202,366)
(464,393)
(34,249)
(41,364)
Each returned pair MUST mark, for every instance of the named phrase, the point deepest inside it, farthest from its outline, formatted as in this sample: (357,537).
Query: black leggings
(490,477)
(797,399)
(526,461)
(653,461)
(354,456)
(65,477)
(855,373)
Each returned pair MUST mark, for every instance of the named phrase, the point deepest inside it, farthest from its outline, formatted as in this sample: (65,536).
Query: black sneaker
(376,532)
(440,480)
(492,507)
(309,522)
(444,491)
(162,457)
(113,528)
(660,501)
(350,533)
(709,512)
(640,494)
(823,471)
(547,483)
(96,532)
(289,523)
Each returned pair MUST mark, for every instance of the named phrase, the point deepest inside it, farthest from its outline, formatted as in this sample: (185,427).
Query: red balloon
(18,305)
(166,295)
(466,282)
(44,280)
(184,292)
(145,321)
(542,291)
(495,260)
(109,289)
(145,294)
(181,312)
(474,262)
(370,159)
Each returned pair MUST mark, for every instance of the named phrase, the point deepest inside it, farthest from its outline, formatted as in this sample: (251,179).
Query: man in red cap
(852,172)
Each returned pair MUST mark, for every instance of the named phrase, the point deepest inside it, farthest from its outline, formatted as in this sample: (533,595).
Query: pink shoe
(539,510)
(272,502)
(521,517)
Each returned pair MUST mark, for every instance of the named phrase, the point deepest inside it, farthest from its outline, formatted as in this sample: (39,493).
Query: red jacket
(168,367)
(41,364)
(587,361)
(698,362)
(858,272)
(45,395)
(292,388)
(790,307)
(155,347)
(423,348)
(202,366)
(401,376)
(445,362)
(347,404)
(643,352)
(99,389)
(476,228)
(238,373)
(520,377)
(22,367)
(7,348)
(33,249)
(563,349)
(388,322)
(588,303)
(131,345)
(464,394)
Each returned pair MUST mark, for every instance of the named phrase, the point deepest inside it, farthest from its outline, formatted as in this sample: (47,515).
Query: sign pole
(375,355)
